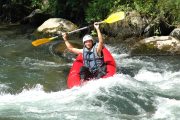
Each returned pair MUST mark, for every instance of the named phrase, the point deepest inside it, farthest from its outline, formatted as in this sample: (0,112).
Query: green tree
(98,9)
(170,10)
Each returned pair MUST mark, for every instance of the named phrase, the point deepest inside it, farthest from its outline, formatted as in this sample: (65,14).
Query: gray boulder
(56,26)
(163,45)
(133,25)
(176,33)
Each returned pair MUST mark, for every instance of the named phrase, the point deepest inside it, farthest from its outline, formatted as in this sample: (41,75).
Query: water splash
(167,109)
(150,92)
(37,64)
(106,97)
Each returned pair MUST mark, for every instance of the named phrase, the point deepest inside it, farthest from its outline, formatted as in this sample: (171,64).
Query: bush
(170,10)
(98,10)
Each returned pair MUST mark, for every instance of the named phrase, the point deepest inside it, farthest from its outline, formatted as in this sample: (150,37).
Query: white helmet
(87,37)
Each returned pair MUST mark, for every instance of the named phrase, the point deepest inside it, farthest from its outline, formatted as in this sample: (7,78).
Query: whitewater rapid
(33,85)
(145,95)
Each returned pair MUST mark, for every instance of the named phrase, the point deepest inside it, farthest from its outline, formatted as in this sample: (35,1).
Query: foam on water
(77,102)
(152,93)
(35,63)
(165,81)
(167,109)
(3,87)
(80,102)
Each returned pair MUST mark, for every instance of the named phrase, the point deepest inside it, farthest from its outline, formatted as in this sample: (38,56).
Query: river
(33,84)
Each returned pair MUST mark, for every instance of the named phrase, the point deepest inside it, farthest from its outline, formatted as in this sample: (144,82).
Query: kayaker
(94,66)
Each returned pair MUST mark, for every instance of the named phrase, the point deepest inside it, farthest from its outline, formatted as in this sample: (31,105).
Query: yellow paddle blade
(42,41)
(115,17)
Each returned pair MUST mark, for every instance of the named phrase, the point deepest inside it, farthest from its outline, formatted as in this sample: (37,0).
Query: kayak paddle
(46,40)
(111,19)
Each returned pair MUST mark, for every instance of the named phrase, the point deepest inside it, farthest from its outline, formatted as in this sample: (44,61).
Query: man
(94,66)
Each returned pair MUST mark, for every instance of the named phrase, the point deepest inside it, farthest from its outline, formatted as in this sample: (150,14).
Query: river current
(33,84)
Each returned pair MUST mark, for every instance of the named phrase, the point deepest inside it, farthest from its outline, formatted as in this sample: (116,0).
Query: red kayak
(74,76)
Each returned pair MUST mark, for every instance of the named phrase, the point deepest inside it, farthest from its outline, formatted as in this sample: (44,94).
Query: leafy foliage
(170,10)
(36,3)
(98,9)
(93,10)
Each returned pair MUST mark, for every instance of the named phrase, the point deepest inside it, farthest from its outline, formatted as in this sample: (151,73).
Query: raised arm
(100,38)
(69,46)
